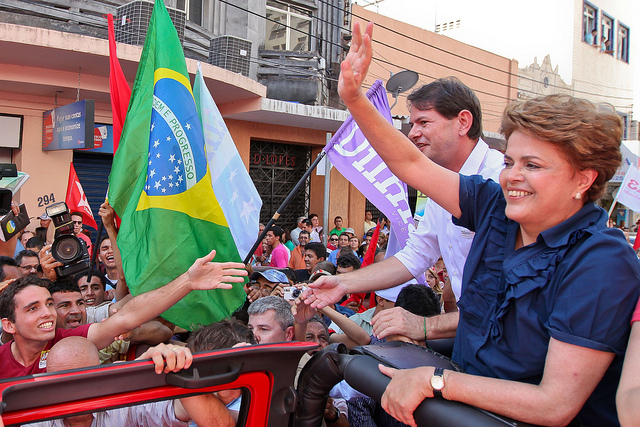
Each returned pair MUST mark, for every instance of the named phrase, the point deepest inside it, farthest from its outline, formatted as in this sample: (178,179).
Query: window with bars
(288,27)
(275,168)
(589,16)
(623,43)
(606,34)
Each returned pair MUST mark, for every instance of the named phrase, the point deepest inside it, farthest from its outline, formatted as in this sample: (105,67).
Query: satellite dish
(400,82)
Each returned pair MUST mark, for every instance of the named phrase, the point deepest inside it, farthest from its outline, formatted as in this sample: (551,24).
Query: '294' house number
(46,199)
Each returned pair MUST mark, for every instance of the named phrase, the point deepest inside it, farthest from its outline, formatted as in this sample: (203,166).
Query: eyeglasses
(333,240)
(30,267)
(77,222)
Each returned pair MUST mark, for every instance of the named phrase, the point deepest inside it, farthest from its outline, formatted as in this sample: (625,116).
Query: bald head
(72,353)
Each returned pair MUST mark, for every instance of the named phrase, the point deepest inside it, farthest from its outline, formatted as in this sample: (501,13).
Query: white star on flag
(232,174)
(188,126)
(247,208)
(156,143)
(172,158)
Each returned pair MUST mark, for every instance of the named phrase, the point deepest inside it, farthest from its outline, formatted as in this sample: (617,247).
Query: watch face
(437,383)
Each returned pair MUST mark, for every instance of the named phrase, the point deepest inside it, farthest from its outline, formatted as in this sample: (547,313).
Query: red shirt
(636,314)
(11,368)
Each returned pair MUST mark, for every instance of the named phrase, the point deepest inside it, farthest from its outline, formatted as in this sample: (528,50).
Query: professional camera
(71,251)
(10,224)
(290,293)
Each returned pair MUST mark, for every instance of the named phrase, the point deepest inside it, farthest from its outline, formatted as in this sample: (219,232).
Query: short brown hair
(223,334)
(589,137)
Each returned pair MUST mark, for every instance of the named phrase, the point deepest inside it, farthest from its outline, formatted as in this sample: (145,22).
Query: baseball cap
(318,274)
(350,231)
(274,276)
(44,216)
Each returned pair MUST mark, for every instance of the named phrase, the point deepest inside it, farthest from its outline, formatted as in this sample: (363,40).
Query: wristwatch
(437,382)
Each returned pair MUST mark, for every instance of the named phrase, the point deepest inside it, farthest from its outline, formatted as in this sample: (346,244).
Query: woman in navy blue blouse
(540,335)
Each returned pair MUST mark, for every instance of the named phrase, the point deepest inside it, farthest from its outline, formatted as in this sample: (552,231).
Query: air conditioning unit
(132,22)
(231,53)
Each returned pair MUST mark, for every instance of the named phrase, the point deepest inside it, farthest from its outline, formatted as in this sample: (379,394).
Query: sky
(490,25)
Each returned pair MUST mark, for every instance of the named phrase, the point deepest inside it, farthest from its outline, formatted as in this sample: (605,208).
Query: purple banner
(355,158)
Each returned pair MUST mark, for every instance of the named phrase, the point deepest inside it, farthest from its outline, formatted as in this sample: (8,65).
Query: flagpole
(284,204)
(96,248)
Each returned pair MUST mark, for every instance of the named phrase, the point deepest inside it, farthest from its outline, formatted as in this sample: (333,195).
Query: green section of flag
(160,184)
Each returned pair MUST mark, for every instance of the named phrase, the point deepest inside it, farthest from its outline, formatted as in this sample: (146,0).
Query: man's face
(261,229)
(317,334)
(368,216)
(271,238)
(77,224)
(29,264)
(71,309)
(106,254)
(303,238)
(266,329)
(343,241)
(264,286)
(315,221)
(25,237)
(92,292)
(338,222)
(44,223)
(35,315)
(435,135)
(368,238)
(310,260)
(342,270)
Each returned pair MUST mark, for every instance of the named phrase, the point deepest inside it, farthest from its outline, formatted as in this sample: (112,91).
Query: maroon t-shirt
(11,368)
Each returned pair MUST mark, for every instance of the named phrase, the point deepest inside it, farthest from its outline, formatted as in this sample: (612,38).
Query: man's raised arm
(202,275)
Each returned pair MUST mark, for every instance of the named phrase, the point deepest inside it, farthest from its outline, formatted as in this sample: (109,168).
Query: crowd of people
(508,260)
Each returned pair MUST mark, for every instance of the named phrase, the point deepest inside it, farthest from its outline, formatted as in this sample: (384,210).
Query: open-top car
(265,373)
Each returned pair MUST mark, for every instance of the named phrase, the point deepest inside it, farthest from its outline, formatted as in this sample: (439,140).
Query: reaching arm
(352,335)
(628,396)
(202,275)
(151,333)
(382,275)
(108,219)
(402,157)
(558,398)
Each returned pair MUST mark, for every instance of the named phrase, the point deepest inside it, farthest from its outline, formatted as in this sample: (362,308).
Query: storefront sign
(69,126)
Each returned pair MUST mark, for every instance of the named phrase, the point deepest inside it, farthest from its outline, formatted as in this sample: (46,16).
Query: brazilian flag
(160,183)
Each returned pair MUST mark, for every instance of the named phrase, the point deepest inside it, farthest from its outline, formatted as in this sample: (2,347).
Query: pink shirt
(279,257)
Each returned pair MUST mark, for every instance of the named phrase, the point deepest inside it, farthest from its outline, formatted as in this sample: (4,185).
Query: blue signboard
(69,126)
(102,139)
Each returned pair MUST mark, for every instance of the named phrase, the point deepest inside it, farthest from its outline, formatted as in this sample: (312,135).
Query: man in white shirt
(445,118)
(296,231)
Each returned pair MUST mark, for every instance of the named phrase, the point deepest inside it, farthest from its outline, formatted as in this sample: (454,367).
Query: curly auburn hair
(589,137)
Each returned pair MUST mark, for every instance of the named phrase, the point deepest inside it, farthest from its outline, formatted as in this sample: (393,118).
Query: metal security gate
(93,172)
(275,169)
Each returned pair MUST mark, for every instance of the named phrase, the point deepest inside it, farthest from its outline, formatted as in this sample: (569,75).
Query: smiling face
(106,254)
(539,184)
(310,260)
(35,315)
(435,136)
(93,292)
(71,309)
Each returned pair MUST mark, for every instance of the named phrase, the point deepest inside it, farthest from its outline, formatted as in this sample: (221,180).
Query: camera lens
(296,292)
(66,248)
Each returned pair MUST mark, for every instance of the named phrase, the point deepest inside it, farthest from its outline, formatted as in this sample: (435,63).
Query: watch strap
(438,372)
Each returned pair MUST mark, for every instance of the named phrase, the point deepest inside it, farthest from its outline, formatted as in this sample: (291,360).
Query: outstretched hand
(323,292)
(107,214)
(356,64)
(207,275)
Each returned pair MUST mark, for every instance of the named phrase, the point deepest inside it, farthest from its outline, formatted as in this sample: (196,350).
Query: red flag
(368,259)
(120,90)
(636,244)
(76,199)
(371,250)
